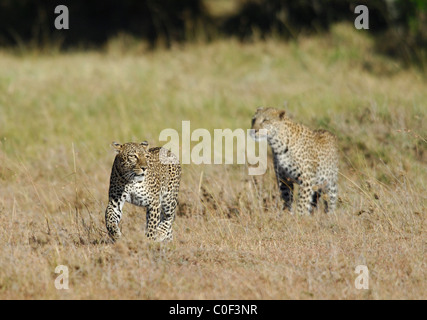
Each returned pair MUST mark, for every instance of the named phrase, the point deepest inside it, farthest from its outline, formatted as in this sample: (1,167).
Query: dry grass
(59,113)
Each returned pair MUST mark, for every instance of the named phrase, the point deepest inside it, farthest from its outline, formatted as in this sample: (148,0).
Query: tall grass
(59,113)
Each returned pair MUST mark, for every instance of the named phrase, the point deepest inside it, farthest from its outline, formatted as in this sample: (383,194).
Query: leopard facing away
(146,177)
(302,156)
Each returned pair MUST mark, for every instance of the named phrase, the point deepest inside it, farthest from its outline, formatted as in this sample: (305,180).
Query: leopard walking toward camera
(147,177)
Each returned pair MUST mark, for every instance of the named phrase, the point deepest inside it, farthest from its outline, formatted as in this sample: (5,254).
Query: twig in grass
(375,203)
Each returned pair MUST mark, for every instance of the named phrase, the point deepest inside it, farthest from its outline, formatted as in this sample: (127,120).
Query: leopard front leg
(153,219)
(305,195)
(113,214)
(164,230)
(286,191)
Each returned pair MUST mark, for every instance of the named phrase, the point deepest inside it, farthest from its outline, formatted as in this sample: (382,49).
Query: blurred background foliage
(398,26)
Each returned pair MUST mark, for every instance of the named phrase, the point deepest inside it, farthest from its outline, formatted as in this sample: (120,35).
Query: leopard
(301,156)
(146,177)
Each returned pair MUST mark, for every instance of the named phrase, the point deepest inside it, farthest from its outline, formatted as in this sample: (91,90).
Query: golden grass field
(60,112)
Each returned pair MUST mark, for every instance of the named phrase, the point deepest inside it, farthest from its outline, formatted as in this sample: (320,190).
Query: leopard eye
(132,157)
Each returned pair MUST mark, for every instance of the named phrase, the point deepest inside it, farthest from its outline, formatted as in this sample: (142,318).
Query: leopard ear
(145,144)
(116,146)
(260,109)
(282,114)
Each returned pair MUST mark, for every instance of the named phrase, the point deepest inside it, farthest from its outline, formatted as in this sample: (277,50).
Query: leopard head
(130,160)
(265,122)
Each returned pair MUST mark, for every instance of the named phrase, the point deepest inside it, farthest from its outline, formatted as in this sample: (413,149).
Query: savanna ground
(60,112)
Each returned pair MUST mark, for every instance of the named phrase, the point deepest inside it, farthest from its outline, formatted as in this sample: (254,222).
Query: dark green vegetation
(399,26)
